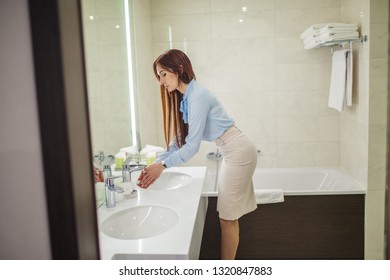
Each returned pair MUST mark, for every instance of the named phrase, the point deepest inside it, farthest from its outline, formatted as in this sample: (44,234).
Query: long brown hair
(174,61)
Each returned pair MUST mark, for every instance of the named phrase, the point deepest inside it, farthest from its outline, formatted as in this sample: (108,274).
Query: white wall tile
(303,76)
(306,4)
(182,7)
(254,24)
(109,9)
(292,22)
(223,6)
(181,28)
(238,52)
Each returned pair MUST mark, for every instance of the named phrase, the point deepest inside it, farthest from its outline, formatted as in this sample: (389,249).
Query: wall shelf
(342,43)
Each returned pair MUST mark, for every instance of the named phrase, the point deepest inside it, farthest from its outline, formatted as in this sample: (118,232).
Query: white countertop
(173,244)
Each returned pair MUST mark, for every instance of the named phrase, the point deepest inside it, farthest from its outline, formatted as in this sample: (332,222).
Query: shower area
(250,55)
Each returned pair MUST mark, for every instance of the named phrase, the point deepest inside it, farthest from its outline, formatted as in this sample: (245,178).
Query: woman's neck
(182,88)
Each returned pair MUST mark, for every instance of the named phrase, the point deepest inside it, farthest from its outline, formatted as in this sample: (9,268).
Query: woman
(192,114)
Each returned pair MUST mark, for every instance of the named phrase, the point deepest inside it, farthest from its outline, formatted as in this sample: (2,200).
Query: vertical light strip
(130,73)
(170,37)
(185,45)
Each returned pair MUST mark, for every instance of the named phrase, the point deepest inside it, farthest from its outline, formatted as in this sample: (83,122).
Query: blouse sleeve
(171,148)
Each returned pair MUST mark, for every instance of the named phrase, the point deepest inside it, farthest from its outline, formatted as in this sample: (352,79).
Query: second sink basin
(170,181)
(140,222)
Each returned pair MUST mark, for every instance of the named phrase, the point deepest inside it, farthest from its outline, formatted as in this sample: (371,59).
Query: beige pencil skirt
(236,196)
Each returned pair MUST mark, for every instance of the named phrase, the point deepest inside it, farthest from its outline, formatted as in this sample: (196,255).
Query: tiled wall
(377,128)
(255,63)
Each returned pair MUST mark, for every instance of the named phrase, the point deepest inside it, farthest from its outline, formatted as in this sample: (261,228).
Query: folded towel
(334,36)
(310,38)
(131,150)
(326,34)
(150,148)
(269,196)
(313,43)
(346,27)
(312,30)
(340,93)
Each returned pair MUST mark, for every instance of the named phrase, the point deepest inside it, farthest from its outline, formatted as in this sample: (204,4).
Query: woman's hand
(150,174)
(98,174)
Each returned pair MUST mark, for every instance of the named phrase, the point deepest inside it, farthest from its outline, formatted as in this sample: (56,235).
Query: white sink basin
(170,181)
(140,222)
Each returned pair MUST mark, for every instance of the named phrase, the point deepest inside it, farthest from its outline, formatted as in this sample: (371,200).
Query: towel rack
(342,43)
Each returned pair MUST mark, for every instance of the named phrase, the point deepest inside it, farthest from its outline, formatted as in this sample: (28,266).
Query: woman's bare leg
(230,233)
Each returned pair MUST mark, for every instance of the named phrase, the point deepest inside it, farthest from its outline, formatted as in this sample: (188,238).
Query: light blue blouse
(207,120)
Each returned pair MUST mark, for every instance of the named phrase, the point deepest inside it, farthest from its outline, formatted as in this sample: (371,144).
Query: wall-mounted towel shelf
(331,34)
(343,43)
(362,39)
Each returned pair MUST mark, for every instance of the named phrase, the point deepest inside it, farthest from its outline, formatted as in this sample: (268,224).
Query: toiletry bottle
(150,158)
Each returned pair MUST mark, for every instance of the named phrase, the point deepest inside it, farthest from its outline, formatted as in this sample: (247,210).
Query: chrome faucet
(111,188)
(110,191)
(128,168)
(107,174)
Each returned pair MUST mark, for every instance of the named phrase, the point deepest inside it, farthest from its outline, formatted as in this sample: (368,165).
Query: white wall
(24,230)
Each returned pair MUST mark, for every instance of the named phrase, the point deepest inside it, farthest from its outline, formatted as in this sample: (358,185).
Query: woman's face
(168,79)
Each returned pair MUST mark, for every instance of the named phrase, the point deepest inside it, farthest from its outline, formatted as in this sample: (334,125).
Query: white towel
(349,78)
(312,44)
(326,34)
(312,30)
(150,148)
(131,150)
(340,93)
(310,38)
(334,36)
(339,26)
(269,196)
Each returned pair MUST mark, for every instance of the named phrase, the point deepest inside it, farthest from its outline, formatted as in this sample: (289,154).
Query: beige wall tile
(378,140)
(292,22)
(306,4)
(379,38)
(303,76)
(254,24)
(378,74)
(376,175)
(229,6)
(379,10)
(308,154)
(183,7)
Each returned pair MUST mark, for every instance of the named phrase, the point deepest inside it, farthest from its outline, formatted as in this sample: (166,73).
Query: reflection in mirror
(109,74)
(109,71)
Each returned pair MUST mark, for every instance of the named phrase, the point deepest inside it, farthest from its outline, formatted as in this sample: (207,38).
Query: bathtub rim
(358,188)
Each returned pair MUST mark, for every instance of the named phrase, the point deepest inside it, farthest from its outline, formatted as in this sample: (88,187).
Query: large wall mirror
(109,53)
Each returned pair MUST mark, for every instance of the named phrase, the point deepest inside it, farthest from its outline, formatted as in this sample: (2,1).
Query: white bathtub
(298,181)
